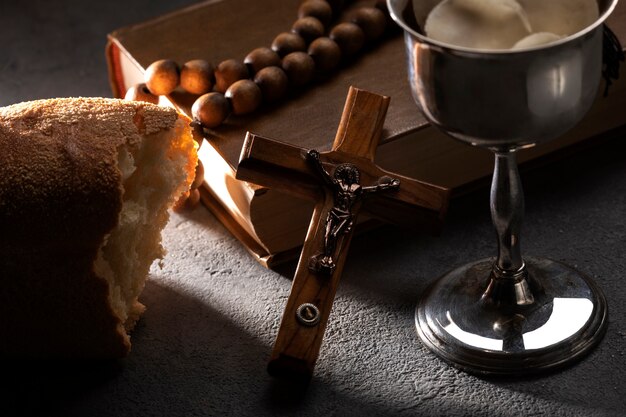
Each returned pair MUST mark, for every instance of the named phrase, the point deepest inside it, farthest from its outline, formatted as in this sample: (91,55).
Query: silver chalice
(509,315)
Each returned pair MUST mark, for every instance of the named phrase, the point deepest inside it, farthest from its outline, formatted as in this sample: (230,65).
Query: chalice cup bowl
(509,315)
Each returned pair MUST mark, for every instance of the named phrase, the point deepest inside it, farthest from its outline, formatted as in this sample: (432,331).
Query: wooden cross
(339,181)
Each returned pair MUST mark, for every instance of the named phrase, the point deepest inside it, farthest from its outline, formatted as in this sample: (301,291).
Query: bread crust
(60,195)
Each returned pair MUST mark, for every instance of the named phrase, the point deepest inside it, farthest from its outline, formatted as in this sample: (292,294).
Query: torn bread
(85,184)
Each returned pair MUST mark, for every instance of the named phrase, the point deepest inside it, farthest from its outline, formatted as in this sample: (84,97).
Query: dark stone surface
(203,344)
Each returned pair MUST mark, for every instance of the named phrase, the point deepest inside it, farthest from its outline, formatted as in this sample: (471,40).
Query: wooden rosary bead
(244,96)
(299,67)
(196,130)
(140,92)
(198,180)
(349,36)
(227,72)
(260,58)
(326,54)
(196,76)
(310,28)
(210,109)
(336,5)
(390,25)
(162,77)
(193,200)
(382,6)
(273,83)
(188,201)
(372,20)
(288,42)
(319,9)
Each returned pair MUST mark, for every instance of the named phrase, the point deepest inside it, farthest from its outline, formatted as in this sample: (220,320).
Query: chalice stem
(508,283)
(507,213)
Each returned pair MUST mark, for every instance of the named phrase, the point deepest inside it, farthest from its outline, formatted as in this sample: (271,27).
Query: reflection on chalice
(508,315)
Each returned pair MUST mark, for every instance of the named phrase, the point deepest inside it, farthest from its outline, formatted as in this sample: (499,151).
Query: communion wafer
(507,24)
(535,39)
(561,17)
(482,24)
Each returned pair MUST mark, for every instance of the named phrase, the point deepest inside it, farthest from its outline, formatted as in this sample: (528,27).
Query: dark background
(202,347)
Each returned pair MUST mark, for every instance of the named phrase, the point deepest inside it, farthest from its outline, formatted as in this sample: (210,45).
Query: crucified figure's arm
(313,157)
(384,183)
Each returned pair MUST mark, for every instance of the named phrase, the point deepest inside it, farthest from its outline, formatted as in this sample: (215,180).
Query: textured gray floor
(202,346)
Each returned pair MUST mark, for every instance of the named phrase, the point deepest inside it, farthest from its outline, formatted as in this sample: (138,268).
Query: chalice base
(459,320)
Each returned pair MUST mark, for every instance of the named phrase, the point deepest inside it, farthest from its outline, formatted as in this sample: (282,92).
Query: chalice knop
(508,315)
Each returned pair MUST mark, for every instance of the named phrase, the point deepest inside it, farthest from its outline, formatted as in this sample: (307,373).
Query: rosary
(264,76)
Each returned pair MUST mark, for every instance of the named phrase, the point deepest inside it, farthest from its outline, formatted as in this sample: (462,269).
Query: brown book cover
(272,225)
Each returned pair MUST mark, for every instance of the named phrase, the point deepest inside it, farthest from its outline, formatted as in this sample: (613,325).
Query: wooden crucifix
(340,182)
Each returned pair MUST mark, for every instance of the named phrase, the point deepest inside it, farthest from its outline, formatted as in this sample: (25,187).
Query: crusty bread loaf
(85,185)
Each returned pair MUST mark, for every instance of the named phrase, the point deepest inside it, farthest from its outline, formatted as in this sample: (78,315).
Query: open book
(272,225)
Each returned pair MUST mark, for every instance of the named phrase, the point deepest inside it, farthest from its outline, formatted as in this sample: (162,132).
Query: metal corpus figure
(347,191)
